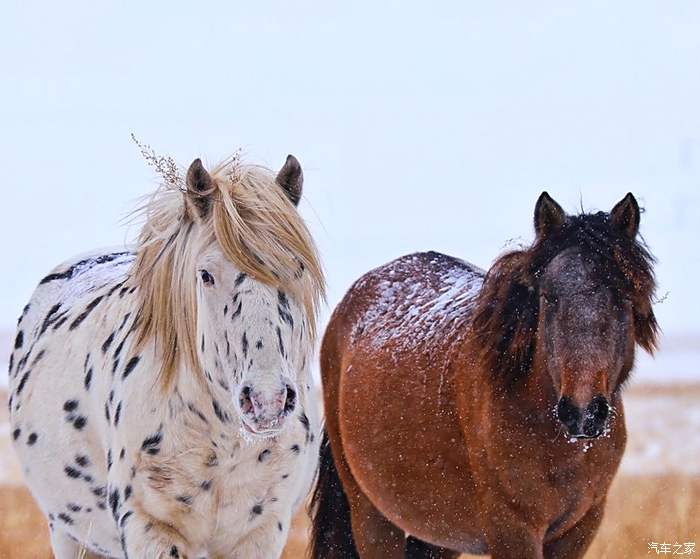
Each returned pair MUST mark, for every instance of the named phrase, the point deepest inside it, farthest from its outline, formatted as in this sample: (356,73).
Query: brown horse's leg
(509,537)
(574,543)
(418,549)
(375,537)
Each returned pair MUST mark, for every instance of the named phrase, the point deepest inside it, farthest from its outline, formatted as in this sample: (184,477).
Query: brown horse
(481,412)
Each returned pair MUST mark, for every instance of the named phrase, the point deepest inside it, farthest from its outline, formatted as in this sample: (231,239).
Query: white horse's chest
(215,488)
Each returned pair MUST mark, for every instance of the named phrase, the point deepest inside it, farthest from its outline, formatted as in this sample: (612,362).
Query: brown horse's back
(390,339)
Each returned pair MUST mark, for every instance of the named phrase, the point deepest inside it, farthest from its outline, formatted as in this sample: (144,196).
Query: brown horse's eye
(549,298)
(207,278)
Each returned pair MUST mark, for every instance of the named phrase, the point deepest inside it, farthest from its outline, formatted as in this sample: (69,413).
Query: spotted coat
(124,468)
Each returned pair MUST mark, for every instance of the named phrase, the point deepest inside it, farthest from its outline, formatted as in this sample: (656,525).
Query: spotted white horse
(160,398)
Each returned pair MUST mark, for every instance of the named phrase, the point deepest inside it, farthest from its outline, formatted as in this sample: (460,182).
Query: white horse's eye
(207,278)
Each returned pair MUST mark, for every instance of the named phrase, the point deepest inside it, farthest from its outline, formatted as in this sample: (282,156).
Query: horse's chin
(252,435)
(585,437)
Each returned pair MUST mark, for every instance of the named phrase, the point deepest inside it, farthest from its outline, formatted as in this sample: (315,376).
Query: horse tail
(331,532)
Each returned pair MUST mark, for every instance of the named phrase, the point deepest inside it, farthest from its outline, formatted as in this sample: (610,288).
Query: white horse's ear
(291,179)
(200,187)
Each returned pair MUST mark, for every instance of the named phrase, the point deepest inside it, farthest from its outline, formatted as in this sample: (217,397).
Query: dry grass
(640,509)
(23,532)
(643,509)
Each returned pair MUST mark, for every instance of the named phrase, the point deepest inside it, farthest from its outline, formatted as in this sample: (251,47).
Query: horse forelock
(258,230)
(505,318)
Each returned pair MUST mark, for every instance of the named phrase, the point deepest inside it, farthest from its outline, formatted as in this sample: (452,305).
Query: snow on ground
(674,362)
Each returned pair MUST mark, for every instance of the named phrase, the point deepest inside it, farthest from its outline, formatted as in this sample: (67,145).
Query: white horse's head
(242,291)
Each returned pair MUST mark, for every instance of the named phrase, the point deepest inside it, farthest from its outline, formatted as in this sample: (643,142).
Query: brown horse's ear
(200,187)
(625,216)
(549,216)
(291,179)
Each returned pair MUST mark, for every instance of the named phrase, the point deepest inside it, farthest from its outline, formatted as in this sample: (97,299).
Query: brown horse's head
(572,306)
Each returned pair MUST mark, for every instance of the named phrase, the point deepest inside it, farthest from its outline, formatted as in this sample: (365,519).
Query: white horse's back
(75,278)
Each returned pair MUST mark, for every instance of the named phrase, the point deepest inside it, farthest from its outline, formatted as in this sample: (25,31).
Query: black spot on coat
(117,414)
(70,405)
(280,342)
(264,455)
(125,517)
(72,472)
(22,382)
(185,499)
(38,357)
(235,314)
(151,444)
(88,379)
(130,366)
(114,502)
(107,342)
(221,414)
(49,318)
(83,315)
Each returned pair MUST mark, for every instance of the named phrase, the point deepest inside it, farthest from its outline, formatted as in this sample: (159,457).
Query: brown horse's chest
(550,481)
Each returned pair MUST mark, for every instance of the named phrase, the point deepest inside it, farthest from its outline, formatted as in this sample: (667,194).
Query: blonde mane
(259,231)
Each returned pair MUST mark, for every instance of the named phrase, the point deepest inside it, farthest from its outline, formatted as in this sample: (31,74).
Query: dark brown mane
(505,318)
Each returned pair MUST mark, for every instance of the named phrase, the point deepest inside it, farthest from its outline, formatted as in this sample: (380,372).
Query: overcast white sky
(420,126)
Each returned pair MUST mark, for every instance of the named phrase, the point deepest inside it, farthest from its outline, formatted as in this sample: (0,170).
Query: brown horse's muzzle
(588,422)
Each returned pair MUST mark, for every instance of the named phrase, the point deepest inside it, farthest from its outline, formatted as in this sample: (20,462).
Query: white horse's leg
(265,542)
(64,547)
(143,536)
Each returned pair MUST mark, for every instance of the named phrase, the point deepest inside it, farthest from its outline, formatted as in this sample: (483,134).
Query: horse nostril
(290,401)
(566,411)
(568,414)
(599,408)
(245,399)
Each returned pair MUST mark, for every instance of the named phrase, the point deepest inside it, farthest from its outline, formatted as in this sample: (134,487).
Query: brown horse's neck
(538,390)
(535,396)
